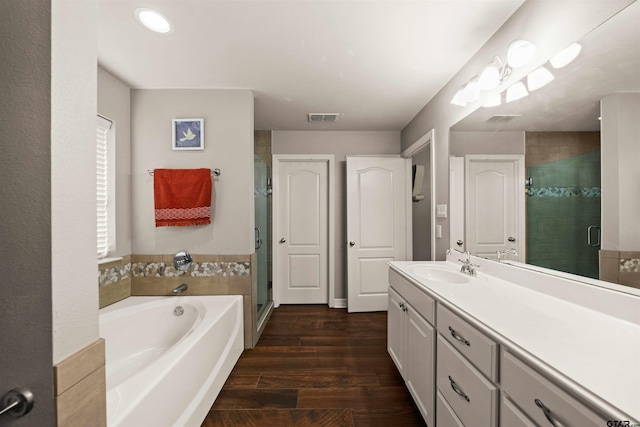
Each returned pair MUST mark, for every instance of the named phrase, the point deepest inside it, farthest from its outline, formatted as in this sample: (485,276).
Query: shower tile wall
(562,203)
(621,267)
(262,148)
(564,200)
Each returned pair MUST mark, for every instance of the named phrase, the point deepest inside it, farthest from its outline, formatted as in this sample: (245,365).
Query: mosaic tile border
(197,269)
(630,265)
(564,192)
(114,274)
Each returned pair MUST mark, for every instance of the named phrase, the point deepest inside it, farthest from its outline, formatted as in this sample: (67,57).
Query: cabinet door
(419,364)
(395,330)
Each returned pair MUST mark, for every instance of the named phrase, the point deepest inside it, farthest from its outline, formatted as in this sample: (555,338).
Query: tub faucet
(180,289)
(508,251)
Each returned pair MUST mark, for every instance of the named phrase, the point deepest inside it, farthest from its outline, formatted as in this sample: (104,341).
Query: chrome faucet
(180,289)
(468,267)
(508,251)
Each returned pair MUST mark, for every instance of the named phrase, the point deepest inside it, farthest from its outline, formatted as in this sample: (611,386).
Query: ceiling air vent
(503,118)
(323,117)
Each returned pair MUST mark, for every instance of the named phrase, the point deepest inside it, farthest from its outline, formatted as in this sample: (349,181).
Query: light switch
(441,211)
(438,231)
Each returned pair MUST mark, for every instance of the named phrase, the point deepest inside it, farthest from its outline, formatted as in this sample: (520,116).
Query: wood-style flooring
(316,366)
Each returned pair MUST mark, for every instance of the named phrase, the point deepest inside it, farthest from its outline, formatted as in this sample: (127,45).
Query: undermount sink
(439,274)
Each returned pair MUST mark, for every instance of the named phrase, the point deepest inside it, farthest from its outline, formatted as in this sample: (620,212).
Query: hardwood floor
(316,366)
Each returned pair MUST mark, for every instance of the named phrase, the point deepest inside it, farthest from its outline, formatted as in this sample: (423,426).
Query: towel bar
(214,172)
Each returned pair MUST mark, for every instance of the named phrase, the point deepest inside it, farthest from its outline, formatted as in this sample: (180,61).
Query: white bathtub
(167,370)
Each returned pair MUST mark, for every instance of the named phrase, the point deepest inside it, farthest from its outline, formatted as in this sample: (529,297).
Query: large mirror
(547,146)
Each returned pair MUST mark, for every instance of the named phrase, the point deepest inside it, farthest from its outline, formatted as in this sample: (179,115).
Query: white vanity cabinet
(492,353)
(411,340)
(540,399)
(466,370)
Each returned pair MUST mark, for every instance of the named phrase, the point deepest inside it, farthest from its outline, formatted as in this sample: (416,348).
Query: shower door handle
(258,244)
(590,236)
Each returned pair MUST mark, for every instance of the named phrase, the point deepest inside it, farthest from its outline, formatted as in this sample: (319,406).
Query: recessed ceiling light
(153,20)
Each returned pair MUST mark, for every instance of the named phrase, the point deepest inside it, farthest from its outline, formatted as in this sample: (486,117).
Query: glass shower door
(563,215)
(262,235)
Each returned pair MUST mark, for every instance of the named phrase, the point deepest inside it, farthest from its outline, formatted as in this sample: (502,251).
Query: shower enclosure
(563,214)
(262,203)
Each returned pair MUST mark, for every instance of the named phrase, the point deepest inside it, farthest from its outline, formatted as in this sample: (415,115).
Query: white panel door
(302,242)
(378,225)
(494,204)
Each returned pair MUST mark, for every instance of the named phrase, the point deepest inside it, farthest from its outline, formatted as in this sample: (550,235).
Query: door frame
(329,159)
(426,141)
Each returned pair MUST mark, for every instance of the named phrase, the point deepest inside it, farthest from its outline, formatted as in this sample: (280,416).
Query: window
(102,185)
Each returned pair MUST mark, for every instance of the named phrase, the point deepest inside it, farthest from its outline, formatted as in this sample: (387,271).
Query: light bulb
(519,53)
(538,78)
(516,92)
(489,77)
(152,20)
(472,90)
(565,56)
(459,98)
(493,100)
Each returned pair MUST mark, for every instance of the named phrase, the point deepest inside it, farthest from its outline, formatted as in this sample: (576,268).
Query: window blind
(103,128)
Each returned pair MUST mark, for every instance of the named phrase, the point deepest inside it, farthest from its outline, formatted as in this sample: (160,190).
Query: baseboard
(339,303)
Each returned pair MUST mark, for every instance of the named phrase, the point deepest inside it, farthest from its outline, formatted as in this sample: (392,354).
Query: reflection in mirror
(575,135)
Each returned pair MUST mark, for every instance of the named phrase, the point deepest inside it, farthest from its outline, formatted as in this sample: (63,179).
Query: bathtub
(165,368)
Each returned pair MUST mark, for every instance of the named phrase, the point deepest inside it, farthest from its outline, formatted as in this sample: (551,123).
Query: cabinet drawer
(445,417)
(473,398)
(542,400)
(423,303)
(511,416)
(473,344)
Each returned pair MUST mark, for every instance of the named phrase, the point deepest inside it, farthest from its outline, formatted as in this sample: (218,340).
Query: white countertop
(598,351)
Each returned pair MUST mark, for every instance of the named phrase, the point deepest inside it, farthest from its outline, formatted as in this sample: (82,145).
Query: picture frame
(187,134)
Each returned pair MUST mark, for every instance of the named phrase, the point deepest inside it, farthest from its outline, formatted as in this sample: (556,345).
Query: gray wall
(551,26)
(25,206)
(340,144)
(228,124)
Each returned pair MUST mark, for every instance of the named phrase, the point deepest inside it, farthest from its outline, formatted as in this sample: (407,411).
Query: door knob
(352,243)
(17,402)
(283,240)
(459,242)
(511,239)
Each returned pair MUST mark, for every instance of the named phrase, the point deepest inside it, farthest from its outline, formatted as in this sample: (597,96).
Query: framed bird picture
(188,134)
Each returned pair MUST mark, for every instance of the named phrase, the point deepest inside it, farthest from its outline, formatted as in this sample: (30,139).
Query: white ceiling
(377,63)
(609,63)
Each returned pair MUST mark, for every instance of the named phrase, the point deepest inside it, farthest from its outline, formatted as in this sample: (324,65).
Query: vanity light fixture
(489,77)
(153,20)
(516,91)
(538,78)
(565,56)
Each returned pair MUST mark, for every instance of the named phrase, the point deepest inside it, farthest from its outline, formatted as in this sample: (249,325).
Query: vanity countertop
(594,350)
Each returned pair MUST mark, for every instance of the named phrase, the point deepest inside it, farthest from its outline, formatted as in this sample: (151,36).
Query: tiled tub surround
(142,275)
(622,267)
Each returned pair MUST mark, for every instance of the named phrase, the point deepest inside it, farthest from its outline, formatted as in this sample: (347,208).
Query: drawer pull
(458,336)
(547,413)
(458,390)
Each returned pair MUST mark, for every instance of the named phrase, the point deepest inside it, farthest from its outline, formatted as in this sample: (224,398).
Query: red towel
(182,197)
